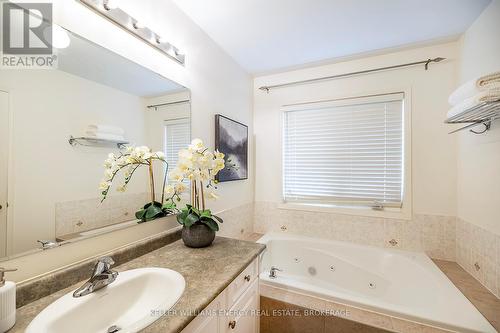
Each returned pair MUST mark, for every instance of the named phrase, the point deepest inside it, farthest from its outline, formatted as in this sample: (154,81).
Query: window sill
(389,213)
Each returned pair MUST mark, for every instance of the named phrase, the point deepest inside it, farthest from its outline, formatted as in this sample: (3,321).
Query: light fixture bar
(134,27)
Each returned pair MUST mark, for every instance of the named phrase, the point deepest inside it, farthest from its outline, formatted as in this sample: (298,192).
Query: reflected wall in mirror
(51,186)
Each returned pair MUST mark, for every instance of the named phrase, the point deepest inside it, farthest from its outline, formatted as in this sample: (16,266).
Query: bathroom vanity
(221,279)
(235,309)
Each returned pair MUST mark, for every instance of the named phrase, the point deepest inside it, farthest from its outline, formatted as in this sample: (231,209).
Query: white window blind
(347,152)
(177,137)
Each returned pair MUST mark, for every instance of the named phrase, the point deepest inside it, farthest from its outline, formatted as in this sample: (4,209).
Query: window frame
(405,212)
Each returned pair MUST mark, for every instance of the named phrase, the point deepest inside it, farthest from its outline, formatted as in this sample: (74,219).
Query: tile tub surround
(207,271)
(83,215)
(350,315)
(282,317)
(39,287)
(432,234)
(478,252)
(487,303)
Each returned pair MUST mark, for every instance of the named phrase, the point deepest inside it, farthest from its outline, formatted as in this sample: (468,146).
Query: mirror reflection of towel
(107,129)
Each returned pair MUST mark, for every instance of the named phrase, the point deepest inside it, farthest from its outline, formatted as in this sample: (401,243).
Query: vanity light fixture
(110,10)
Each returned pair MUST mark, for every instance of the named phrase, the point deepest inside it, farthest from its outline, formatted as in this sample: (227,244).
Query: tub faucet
(272,272)
(47,244)
(102,275)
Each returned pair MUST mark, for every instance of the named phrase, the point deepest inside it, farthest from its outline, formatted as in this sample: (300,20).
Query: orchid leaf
(190,220)
(218,219)
(212,224)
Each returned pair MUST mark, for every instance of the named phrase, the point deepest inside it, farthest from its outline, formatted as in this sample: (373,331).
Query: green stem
(164,182)
(151,181)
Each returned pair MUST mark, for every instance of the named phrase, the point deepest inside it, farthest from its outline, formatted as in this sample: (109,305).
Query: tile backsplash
(478,252)
(435,235)
(238,221)
(83,215)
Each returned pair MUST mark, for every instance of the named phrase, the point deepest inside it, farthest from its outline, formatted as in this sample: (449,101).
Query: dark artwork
(231,138)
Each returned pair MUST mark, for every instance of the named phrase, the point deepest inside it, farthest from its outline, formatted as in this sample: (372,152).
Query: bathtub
(401,284)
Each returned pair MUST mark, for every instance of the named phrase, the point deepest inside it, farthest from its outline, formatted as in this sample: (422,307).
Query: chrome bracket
(487,127)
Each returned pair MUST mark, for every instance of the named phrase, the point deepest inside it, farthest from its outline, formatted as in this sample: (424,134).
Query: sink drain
(113,329)
(372,285)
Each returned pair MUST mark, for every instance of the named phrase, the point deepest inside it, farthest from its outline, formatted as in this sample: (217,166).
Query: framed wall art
(231,138)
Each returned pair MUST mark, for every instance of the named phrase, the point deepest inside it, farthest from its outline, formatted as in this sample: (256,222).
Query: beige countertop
(207,271)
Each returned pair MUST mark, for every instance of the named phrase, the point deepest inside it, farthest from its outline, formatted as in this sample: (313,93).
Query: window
(177,137)
(347,152)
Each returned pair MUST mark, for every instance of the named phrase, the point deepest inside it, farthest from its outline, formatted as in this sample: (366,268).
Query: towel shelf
(481,114)
(96,142)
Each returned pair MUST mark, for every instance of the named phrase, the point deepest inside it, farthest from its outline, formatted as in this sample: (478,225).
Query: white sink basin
(136,299)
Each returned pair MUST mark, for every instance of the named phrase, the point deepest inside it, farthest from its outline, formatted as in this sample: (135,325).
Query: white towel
(473,87)
(105,129)
(104,136)
(491,95)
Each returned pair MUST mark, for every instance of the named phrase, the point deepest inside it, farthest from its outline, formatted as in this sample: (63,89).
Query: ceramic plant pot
(198,235)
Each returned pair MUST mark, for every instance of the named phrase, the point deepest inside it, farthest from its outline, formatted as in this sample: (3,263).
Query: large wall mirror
(49,188)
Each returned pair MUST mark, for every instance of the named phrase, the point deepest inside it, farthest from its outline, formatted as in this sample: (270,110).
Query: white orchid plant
(129,161)
(196,164)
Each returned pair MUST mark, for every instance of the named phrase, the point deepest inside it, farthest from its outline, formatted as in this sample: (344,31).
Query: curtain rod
(423,62)
(170,103)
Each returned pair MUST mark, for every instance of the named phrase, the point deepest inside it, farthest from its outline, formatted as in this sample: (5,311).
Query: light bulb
(110,4)
(138,25)
(161,40)
(171,50)
(60,37)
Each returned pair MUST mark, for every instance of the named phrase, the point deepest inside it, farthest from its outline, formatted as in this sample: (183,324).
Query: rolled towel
(473,87)
(487,79)
(491,95)
(105,129)
(105,136)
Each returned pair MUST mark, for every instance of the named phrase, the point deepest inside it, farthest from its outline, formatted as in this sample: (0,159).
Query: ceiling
(267,35)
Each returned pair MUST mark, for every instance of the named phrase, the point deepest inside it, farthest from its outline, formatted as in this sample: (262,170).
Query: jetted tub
(398,283)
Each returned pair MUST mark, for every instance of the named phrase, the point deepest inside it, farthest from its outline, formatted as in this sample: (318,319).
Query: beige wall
(217,84)
(433,166)
(479,155)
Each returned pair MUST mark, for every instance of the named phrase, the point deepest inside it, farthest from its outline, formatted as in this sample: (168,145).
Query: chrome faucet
(272,272)
(101,277)
(47,244)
